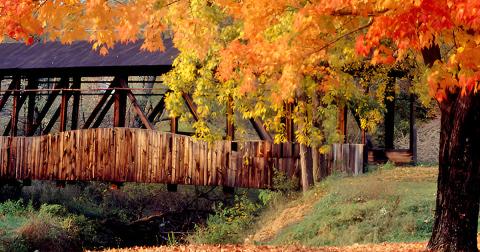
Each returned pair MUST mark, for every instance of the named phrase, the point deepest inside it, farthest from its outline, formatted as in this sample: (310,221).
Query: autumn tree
(265,54)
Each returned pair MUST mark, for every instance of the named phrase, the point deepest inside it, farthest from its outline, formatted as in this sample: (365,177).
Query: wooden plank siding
(149,156)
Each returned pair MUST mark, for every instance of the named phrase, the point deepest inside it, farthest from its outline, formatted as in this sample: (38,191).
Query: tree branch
(370,22)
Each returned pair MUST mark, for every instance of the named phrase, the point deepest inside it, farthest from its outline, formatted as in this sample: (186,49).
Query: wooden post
(124,84)
(32,84)
(413,130)
(120,107)
(16,95)
(60,112)
(174,125)
(64,110)
(260,129)
(103,113)
(191,105)
(100,104)
(51,98)
(229,191)
(174,130)
(21,100)
(158,109)
(230,130)
(389,120)
(77,84)
(289,129)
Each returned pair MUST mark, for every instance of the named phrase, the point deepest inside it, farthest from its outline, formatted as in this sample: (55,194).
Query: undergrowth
(232,223)
(387,205)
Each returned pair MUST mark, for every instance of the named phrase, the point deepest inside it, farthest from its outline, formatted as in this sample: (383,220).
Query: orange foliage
(305,32)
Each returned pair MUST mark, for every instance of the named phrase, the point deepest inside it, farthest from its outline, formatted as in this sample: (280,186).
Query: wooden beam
(32,84)
(289,128)
(52,121)
(77,84)
(413,130)
(123,83)
(100,104)
(159,108)
(230,130)
(389,118)
(120,108)
(64,110)
(58,113)
(50,99)
(19,104)
(192,107)
(174,125)
(104,112)
(7,94)
(16,95)
(260,129)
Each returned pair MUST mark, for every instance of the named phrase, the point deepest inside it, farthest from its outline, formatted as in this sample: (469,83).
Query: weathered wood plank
(138,155)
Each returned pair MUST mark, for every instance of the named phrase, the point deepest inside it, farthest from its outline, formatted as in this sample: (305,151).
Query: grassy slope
(387,205)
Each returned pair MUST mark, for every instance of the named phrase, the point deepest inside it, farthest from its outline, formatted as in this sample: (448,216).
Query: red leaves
(361,47)
(17,20)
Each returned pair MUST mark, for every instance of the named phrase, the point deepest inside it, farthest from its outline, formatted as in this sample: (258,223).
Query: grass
(387,205)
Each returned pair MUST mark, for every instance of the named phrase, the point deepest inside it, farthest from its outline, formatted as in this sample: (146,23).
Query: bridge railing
(147,156)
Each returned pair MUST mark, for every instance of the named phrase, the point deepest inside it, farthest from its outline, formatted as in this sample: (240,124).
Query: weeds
(367,209)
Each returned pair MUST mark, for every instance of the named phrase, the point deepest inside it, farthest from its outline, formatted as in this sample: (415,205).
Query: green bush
(17,207)
(228,224)
(50,228)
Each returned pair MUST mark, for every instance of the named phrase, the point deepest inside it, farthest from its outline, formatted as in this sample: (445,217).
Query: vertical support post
(229,191)
(120,104)
(364,136)
(389,120)
(16,95)
(77,83)
(230,131)
(173,129)
(174,125)
(413,130)
(290,133)
(64,110)
(32,84)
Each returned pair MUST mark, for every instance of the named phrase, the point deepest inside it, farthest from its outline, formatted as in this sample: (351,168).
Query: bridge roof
(53,58)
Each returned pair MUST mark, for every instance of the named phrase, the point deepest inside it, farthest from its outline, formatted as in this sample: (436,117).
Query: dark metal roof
(54,57)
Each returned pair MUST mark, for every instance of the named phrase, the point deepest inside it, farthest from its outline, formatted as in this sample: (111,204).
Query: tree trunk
(457,206)
(316,165)
(306,167)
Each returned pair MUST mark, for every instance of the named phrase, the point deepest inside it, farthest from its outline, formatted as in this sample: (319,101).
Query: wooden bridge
(51,131)
(148,156)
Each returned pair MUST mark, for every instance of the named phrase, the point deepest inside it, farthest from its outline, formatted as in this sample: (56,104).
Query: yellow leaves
(389,4)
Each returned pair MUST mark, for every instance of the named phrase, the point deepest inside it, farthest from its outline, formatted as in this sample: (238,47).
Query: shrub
(50,228)
(228,224)
(17,207)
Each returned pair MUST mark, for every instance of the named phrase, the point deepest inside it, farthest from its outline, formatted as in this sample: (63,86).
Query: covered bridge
(51,131)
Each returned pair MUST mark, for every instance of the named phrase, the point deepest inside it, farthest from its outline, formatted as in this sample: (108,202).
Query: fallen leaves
(387,247)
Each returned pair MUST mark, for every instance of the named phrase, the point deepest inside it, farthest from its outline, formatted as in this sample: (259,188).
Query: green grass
(386,205)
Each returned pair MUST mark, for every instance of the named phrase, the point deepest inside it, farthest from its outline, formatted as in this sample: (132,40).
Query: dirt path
(288,216)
